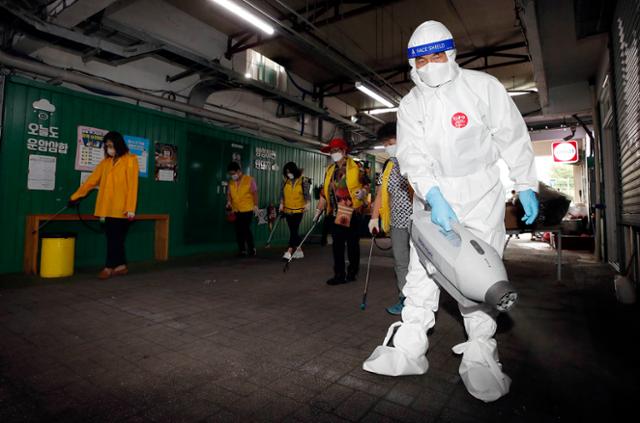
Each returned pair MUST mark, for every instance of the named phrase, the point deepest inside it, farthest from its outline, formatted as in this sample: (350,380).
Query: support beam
(78,11)
(480,54)
(528,21)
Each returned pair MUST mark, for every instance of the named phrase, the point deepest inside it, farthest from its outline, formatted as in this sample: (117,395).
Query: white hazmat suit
(450,136)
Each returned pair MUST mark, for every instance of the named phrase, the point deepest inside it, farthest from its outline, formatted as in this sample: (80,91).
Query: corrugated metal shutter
(626,43)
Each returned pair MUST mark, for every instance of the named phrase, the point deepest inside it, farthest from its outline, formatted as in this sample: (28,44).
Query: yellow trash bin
(56,259)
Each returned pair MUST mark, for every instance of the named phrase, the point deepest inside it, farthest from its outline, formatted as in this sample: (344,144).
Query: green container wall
(195,202)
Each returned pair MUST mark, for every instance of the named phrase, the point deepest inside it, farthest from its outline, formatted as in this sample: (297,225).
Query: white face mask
(235,176)
(290,175)
(435,74)
(391,150)
(111,151)
(336,157)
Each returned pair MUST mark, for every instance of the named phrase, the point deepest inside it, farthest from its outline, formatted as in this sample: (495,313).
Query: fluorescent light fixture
(378,147)
(374,95)
(382,111)
(246,15)
(515,93)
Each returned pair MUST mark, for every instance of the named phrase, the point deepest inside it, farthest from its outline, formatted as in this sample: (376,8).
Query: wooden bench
(32,235)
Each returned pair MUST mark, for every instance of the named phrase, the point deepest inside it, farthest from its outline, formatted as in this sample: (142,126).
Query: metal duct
(125,91)
(203,89)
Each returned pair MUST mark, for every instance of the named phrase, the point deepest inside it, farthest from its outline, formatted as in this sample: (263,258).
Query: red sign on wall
(565,151)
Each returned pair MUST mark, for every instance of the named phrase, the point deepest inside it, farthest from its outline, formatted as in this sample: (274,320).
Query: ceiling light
(246,15)
(247,75)
(374,95)
(514,92)
(381,111)
(378,147)
(519,92)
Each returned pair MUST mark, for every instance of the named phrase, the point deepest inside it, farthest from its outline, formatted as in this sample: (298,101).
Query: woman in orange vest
(294,201)
(242,198)
(344,195)
(117,179)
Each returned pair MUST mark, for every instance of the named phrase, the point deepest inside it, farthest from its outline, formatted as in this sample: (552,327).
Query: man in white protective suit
(453,127)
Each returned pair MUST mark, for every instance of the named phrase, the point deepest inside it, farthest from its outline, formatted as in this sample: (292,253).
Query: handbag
(343,216)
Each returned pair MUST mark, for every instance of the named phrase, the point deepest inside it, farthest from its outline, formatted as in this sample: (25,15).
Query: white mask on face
(111,152)
(391,150)
(336,157)
(290,175)
(435,74)
(235,176)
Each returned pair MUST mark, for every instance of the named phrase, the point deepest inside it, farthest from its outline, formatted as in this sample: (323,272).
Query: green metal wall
(195,201)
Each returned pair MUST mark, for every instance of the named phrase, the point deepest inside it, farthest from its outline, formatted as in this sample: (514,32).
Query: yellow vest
(118,192)
(353,182)
(294,201)
(385,207)
(241,194)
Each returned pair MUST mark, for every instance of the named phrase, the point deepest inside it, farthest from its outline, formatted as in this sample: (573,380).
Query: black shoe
(241,254)
(351,277)
(337,280)
(252,252)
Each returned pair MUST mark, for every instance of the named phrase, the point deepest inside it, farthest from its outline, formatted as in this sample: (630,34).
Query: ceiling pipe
(77,36)
(327,50)
(153,45)
(125,91)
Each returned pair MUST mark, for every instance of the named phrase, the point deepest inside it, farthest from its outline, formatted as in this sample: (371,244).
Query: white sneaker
(298,254)
(287,255)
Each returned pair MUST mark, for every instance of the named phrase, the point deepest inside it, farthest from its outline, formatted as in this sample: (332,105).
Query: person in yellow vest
(295,199)
(344,195)
(117,178)
(394,206)
(242,198)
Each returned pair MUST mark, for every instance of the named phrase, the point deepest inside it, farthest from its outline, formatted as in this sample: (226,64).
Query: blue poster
(140,147)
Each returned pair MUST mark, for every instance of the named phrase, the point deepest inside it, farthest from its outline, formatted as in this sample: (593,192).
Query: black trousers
(244,237)
(294,220)
(349,237)
(327,223)
(116,231)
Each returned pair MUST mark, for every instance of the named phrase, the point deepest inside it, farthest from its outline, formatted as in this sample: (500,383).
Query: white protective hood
(431,33)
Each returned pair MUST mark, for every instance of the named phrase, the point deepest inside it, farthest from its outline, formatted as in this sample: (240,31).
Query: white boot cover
(407,356)
(391,361)
(480,368)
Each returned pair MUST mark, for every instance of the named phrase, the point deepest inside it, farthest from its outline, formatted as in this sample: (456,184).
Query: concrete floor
(238,340)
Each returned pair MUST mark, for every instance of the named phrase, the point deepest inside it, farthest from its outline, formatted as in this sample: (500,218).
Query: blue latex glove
(530,204)
(441,212)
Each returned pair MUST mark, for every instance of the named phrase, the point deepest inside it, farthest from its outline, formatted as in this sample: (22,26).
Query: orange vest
(294,201)
(241,194)
(353,183)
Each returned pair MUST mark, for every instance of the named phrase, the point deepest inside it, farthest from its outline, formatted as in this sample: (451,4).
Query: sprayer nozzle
(502,295)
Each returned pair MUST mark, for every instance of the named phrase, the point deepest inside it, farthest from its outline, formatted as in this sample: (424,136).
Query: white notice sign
(42,173)
(165,175)
(84,176)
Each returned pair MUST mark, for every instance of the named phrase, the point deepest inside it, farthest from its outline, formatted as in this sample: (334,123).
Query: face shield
(430,38)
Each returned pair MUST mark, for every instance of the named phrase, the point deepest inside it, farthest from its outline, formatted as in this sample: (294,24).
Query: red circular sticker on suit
(459,120)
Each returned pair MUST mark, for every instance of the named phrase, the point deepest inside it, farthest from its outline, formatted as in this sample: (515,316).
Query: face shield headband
(431,48)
